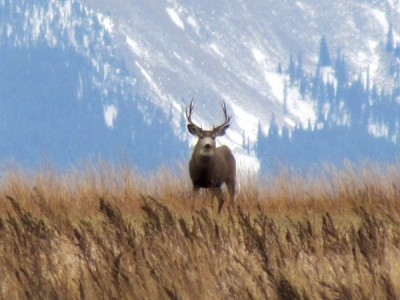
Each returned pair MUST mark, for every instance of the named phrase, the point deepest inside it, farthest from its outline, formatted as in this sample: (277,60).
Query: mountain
(67,95)
(231,51)
(122,72)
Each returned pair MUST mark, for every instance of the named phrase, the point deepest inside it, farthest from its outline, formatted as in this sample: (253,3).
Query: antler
(189,113)
(227,118)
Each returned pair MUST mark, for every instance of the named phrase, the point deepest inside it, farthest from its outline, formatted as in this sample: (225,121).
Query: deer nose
(207,146)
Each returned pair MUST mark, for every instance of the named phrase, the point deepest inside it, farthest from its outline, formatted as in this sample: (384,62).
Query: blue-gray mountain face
(306,81)
(66,97)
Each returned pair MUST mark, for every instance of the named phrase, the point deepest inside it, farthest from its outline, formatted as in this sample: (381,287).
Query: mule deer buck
(211,166)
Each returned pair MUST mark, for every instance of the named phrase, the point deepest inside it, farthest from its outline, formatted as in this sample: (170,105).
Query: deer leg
(217,192)
(231,190)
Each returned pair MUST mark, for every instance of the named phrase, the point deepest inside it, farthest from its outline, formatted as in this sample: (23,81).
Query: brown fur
(212,166)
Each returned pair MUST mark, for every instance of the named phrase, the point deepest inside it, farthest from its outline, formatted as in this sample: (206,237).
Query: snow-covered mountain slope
(230,50)
(168,52)
(66,94)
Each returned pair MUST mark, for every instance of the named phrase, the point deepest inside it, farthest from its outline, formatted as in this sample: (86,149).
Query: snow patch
(215,48)
(374,59)
(328,75)
(139,51)
(380,17)
(378,130)
(192,22)
(276,82)
(154,86)
(110,114)
(145,73)
(248,167)
(174,16)
(300,5)
(258,55)
(248,122)
(300,108)
(289,122)
(362,58)
(106,22)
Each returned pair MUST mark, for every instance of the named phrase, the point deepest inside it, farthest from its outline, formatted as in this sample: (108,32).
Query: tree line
(356,120)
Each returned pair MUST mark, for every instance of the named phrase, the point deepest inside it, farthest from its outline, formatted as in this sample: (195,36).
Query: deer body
(210,166)
(212,172)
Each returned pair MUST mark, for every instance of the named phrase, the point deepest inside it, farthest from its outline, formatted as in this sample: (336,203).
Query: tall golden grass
(109,233)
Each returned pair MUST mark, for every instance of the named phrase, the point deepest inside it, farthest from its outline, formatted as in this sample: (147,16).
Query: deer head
(206,138)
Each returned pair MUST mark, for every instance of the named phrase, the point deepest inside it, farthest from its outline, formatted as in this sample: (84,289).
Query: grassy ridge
(109,233)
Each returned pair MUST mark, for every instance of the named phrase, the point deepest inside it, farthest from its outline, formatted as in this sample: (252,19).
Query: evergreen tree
(356,98)
(374,93)
(292,70)
(345,112)
(390,40)
(341,74)
(273,132)
(299,69)
(321,101)
(324,57)
(397,51)
(280,70)
(260,146)
(303,85)
(315,83)
(368,84)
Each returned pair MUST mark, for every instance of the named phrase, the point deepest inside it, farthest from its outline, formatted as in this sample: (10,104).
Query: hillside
(231,52)
(103,63)
(67,96)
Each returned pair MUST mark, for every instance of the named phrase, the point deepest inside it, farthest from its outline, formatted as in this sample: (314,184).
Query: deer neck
(203,160)
(201,171)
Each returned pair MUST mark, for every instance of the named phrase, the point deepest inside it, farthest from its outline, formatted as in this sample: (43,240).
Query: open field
(108,233)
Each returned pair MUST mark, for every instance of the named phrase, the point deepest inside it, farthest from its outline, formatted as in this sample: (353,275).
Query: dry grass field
(109,233)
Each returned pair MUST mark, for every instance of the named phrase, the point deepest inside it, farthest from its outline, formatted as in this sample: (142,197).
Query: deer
(211,166)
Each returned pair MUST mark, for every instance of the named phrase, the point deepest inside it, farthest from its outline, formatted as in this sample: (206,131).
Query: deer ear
(193,129)
(221,131)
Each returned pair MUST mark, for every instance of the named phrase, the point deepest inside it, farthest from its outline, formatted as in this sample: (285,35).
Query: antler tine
(226,116)
(190,111)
